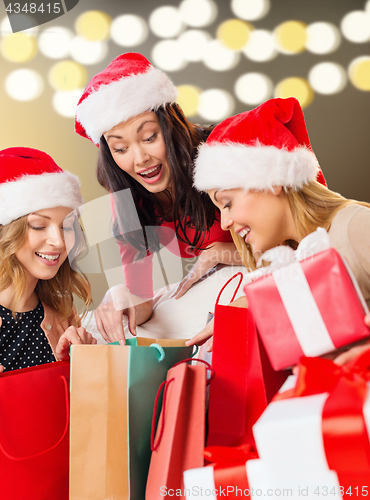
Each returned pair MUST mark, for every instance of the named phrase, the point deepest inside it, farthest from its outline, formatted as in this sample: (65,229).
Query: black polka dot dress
(22,341)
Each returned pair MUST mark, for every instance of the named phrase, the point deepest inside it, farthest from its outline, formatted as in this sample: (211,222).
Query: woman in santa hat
(147,145)
(259,169)
(38,225)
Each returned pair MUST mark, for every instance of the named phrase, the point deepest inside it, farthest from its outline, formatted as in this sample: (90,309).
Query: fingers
(1,368)
(130,312)
(202,336)
(100,324)
(210,345)
(71,336)
(62,349)
(347,356)
(109,322)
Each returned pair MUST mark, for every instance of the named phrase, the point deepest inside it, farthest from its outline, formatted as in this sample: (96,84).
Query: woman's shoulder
(351,217)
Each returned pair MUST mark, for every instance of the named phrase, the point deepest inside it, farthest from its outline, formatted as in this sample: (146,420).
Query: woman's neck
(27,302)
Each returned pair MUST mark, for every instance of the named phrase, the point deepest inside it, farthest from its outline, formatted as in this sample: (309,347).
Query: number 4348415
(33,8)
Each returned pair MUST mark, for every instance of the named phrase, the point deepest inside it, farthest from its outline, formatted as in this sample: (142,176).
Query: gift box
(318,431)
(307,302)
(225,476)
(264,483)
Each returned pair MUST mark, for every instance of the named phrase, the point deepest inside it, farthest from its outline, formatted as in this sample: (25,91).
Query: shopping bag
(178,443)
(113,389)
(34,432)
(244,380)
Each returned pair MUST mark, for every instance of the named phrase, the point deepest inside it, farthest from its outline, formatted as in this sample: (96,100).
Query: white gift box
(290,445)
(265,483)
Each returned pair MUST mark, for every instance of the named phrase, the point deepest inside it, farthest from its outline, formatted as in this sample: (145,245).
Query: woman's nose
(141,156)
(226,222)
(56,237)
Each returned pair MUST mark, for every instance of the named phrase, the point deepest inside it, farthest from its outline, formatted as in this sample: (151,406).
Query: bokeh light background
(225,56)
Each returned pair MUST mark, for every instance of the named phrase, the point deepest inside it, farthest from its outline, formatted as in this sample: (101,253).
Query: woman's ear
(277,190)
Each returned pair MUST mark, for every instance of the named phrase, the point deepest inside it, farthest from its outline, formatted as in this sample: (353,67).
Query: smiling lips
(49,259)
(151,175)
(244,233)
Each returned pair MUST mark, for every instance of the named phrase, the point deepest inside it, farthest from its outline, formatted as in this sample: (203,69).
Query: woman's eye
(151,138)
(121,150)
(37,228)
(228,205)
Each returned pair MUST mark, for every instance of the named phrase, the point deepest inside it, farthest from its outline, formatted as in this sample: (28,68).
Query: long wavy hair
(58,291)
(188,207)
(312,206)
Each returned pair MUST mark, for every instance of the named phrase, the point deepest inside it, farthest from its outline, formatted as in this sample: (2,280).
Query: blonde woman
(38,226)
(260,171)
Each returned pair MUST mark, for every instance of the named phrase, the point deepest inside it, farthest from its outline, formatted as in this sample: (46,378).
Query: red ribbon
(230,473)
(345,435)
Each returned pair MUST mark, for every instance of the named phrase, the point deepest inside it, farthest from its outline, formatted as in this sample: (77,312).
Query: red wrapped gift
(309,307)
(319,426)
(225,476)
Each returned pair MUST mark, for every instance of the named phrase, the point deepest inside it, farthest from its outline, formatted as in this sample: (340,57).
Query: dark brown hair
(189,207)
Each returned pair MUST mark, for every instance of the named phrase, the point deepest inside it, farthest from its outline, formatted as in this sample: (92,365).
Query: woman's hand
(207,332)
(219,253)
(202,337)
(119,302)
(347,356)
(116,303)
(71,336)
(1,368)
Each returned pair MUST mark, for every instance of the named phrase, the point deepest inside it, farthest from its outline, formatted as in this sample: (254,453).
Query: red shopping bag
(34,432)
(244,380)
(179,442)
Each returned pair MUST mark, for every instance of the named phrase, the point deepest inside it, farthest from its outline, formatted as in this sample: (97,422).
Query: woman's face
(137,146)
(49,233)
(264,220)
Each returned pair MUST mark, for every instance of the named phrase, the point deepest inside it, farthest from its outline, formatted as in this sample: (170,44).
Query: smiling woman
(38,228)
(147,145)
(259,169)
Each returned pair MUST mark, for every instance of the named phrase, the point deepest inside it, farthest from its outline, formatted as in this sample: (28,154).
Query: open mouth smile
(244,233)
(151,175)
(48,259)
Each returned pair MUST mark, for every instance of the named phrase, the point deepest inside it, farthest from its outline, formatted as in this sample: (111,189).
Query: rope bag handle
(227,282)
(154,445)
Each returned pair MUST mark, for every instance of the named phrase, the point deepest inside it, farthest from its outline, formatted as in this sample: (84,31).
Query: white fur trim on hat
(37,192)
(259,167)
(118,101)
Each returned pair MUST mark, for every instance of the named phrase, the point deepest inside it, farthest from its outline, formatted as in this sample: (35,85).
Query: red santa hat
(30,180)
(129,86)
(259,149)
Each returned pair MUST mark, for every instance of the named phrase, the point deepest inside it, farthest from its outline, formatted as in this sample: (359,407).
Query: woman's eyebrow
(214,195)
(39,215)
(142,125)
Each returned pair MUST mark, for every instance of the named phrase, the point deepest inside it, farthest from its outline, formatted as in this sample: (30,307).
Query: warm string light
(184,40)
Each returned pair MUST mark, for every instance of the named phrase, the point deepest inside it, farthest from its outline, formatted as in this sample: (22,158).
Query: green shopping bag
(113,389)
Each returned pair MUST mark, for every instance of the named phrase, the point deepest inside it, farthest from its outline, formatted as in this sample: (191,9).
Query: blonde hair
(312,206)
(57,292)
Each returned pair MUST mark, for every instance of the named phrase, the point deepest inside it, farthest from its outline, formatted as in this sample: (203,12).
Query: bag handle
(209,367)
(227,282)
(66,394)
(162,354)
(165,384)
